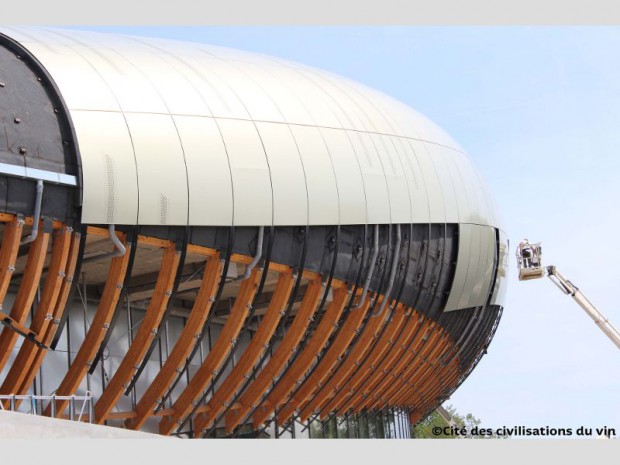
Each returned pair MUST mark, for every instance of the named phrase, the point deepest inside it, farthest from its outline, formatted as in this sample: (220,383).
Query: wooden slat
(384,367)
(8,253)
(365,369)
(213,362)
(59,309)
(184,344)
(43,314)
(282,354)
(415,357)
(144,336)
(403,360)
(356,356)
(255,349)
(408,393)
(96,332)
(331,357)
(25,295)
(302,363)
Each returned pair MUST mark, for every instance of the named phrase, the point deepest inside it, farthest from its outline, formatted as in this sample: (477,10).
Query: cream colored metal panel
(250,173)
(398,188)
(287,102)
(162,176)
(465,198)
(130,87)
(478,274)
(80,85)
(417,186)
(501,281)
(375,186)
(257,102)
(174,89)
(208,172)
(462,268)
(309,94)
(320,178)
(479,211)
(473,270)
(491,252)
(448,188)
(108,168)
(434,188)
(351,192)
(290,197)
(349,114)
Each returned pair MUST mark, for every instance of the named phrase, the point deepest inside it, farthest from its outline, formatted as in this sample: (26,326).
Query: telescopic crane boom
(530,267)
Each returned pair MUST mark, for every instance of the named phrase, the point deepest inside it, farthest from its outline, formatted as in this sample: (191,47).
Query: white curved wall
(273,142)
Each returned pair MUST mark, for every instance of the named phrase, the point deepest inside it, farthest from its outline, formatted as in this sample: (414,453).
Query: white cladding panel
(320,177)
(111,192)
(208,171)
(341,152)
(162,176)
(474,269)
(290,196)
(253,203)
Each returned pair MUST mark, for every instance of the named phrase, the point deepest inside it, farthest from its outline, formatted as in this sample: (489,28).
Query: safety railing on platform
(80,407)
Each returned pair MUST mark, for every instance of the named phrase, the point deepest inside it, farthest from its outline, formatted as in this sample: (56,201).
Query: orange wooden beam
(58,311)
(365,369)
(303,362)
(8,253)
(25,295)
(96,333)
(356,355)
(184,344)
(216,357)
(331,357)
(43,314)
(250,356)
(146,332)
(281,355)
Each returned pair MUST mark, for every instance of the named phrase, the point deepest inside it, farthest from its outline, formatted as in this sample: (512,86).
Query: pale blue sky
(538,110)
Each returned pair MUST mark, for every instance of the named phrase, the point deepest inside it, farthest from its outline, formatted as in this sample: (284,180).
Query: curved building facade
(217,243)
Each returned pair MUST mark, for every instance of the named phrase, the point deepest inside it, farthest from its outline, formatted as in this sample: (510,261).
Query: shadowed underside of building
(216,243)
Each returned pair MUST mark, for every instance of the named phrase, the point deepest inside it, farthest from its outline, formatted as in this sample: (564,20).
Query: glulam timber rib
(8,252)
(283,387)
(143,338)
(255,391)
(44,313)
(354,357)
(341,342)
(255,349)
(25,295)
(365,369)
(96,333)
(184,344)
(213,362)
(52,324)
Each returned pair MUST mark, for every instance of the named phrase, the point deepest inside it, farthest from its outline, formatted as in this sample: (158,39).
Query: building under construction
(204,242)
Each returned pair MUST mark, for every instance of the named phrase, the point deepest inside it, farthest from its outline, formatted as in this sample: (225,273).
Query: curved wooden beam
(96,332)
(255,349)
(358,353)
(365,369)
(8,253)
(25,295)
(44,313)
(213,362)
(59,309)
(327,362)
(184,345)
(142,340)
(282,354)
(303,362)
